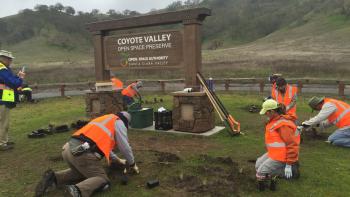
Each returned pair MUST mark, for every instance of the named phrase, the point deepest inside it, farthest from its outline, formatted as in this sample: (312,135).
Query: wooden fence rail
(225,82)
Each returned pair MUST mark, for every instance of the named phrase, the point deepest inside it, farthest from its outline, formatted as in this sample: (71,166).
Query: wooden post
(101,73)
(192,53)
(300,86)
(227,84)
(62,89)
(261,86)
(162,86)
(341,88)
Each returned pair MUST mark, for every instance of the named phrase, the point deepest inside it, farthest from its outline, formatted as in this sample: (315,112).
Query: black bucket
(163,120)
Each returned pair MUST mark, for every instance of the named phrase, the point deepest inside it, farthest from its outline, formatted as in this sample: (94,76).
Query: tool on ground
(225,117)
(152,183)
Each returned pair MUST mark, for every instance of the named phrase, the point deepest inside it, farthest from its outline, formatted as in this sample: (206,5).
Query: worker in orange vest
(282,141)
(332,112)
(83,153)
(287,95)
(272,79)
(131,91)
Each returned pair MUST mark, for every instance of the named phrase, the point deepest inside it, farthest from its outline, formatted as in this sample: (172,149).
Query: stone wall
(106,102)
(192,112)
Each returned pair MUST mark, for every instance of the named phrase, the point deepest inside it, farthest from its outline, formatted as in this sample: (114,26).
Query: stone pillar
(192,112)
(101,103)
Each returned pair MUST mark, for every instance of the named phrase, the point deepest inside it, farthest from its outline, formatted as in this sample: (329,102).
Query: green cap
(268,105)
(314,101)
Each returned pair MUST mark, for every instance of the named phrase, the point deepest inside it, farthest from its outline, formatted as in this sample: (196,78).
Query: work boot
(6,147)
(72,191)
(295,170)
(273,183)
(261,185)
(48,180)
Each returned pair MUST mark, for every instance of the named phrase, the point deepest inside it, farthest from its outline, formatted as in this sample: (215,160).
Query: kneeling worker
(282,142)
(332,112)
(131,91)
(83,153)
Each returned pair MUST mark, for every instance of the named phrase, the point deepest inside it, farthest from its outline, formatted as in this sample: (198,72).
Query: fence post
(341,88)
(62,90)
(227,85)
(300,86)
(261,86)
(162,86)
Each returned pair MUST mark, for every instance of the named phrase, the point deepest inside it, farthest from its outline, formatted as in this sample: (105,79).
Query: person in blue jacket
(8,93)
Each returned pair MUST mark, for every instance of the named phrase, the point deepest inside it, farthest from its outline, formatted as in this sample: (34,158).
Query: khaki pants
(4,124)
(265,165)
(86,170)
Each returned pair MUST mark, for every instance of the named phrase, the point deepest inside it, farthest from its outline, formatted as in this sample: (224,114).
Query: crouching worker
(331,112)
(282,141)
(83,153)
(130,92)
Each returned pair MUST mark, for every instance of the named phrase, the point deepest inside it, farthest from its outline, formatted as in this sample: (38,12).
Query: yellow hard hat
(268,105)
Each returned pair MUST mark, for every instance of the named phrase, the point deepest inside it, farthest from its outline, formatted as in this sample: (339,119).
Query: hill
(243,37)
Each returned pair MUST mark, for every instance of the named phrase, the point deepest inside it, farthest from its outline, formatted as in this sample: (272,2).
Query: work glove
(134,168)
(120,161)
(288,171)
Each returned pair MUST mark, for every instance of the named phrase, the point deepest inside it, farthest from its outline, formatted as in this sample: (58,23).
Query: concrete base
(213,131)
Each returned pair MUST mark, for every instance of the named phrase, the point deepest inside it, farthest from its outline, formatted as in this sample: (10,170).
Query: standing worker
(83,153)
(332,112)
(287,95)
(131,91)
(8,91)
(272,79)
(282,141)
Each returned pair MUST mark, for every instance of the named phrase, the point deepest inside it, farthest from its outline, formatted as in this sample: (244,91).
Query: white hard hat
(6,54)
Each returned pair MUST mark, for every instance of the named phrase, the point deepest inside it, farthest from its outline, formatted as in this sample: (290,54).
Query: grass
(325,170)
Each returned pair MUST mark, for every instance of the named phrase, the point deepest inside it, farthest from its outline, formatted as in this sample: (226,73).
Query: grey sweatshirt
(122,141)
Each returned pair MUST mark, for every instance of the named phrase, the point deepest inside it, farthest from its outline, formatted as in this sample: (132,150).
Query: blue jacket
(10,80)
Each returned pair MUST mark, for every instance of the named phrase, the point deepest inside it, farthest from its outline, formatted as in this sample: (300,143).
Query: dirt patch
(313,134)
(167,157)
(217,176)
(222,160)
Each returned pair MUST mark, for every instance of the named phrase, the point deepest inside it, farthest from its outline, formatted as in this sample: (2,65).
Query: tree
(95,12)
(176,5)
(59,7)
(41,8)
(111,12)
(69,10)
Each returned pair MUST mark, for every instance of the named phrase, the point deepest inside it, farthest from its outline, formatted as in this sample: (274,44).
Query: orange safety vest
(129,91)
(276,147)
(341,117)
(291,91)
(101,130)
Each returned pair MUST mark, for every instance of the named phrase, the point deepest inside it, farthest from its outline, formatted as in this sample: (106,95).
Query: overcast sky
(10,7)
